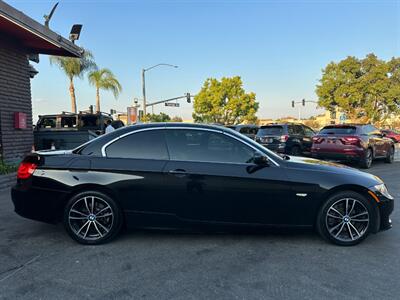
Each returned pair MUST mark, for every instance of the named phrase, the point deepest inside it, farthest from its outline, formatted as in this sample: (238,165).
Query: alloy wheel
(91,218)
(369,157)
(347,220)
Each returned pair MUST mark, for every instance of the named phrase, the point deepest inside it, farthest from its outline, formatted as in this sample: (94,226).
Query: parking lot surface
(40,261)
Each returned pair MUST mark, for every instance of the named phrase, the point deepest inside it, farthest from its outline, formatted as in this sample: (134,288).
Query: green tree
(368,88)
(104,79)
(225,102)
(74,67)
(161,117)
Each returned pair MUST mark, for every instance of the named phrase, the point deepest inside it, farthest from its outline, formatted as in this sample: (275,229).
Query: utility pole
(144,92)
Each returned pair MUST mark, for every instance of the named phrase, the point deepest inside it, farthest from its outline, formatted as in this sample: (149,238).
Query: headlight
(381,188)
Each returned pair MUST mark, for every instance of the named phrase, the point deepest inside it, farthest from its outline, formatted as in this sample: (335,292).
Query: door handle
(178,172)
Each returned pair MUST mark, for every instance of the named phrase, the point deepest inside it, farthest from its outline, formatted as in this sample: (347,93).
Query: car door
(213,176)
(135,165)
(377,140)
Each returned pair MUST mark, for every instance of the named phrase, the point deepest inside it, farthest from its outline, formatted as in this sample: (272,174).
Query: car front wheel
(345,219)
(92,218)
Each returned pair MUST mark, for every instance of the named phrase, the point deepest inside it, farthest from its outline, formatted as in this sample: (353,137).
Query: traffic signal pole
(303,103)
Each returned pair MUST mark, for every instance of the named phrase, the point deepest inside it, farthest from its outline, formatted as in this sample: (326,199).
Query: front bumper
(385,209)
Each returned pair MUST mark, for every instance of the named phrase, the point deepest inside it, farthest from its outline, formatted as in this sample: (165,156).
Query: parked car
(352,142)
(392,134)
(248,130)
(178,175)
(293,139)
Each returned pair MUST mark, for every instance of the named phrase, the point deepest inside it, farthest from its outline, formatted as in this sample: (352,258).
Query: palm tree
(104,79)
(74,67)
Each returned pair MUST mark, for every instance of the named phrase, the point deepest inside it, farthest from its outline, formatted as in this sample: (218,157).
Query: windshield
(270,130)
(338,130)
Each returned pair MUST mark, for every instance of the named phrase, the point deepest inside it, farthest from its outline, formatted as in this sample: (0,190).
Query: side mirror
(260,159)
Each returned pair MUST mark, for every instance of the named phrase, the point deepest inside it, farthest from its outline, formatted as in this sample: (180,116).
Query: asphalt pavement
(39,261)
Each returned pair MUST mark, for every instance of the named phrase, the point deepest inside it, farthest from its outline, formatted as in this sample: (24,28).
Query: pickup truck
(68,130)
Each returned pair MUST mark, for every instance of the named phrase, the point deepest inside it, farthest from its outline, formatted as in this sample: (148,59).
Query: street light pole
(144,83)
(144,92)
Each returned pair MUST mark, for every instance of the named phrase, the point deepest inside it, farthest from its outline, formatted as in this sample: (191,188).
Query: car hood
(330,167)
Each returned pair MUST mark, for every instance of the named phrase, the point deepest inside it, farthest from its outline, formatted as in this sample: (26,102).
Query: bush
(6,169)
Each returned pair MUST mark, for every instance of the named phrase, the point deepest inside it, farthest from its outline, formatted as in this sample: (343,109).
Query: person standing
(109,127)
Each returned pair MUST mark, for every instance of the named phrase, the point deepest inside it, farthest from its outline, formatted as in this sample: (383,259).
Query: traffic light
(188,97)
(292,103)
(303,102)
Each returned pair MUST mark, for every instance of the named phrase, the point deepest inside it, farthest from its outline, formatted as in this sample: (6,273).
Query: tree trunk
(72,94)
(97,100)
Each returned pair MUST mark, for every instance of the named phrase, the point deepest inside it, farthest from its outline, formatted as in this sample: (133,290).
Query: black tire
(100,213)
(295,151)
(328,219)
(366,161)
(390,155)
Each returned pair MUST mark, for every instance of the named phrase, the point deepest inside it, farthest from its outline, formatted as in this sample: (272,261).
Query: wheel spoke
(340,230)
(86,204)
(352,207)
(102,226)
(80,229)
(359,215)
(332,216)
(87,229)
(347,206)
(355,229)
(333,228)
(78,212)
(359,220)
(350,233)
(104,216)
(95,226)
(92,205)
(336,211)
(103,209)
(78,218)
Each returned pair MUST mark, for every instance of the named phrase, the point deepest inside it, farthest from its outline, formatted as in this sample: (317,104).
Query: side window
(48,122)
(206,146)
(142,145)
(298,130)
(244,130)
(291,129)
(308,131)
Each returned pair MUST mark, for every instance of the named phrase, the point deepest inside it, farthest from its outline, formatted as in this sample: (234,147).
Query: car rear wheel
(345,219)
(390,155)
(366,161)
(92,218)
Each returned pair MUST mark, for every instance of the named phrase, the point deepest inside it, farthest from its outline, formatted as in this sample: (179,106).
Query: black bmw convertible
(189,175)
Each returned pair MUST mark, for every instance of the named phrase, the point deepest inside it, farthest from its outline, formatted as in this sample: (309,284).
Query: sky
(279,48)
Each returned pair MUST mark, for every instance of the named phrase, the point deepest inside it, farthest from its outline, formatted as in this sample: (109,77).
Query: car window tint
(244,130)
(338,130)
(270,130)
(200,145)
(308,131)
(48,122)
(142,145)
(298,130)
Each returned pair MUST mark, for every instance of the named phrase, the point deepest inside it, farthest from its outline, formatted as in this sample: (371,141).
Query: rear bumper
(280,148)
(345,156)
(37,204)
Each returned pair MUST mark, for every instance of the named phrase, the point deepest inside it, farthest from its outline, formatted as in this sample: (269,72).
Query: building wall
(15,96)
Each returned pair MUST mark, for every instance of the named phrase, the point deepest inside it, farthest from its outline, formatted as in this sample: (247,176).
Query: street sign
(172,104)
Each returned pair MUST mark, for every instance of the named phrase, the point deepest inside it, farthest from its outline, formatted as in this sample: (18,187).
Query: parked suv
(248,130)
(392,134)
(352,142)
(293,139)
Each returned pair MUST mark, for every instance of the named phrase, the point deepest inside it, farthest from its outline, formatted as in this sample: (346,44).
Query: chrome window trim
(103,148)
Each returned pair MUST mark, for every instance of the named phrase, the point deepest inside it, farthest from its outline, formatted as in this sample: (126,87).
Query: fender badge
(301,195)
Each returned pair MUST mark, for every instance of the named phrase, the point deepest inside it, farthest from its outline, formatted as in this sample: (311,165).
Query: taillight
(316,140)
(351,140)
(25,170)
(284,138)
